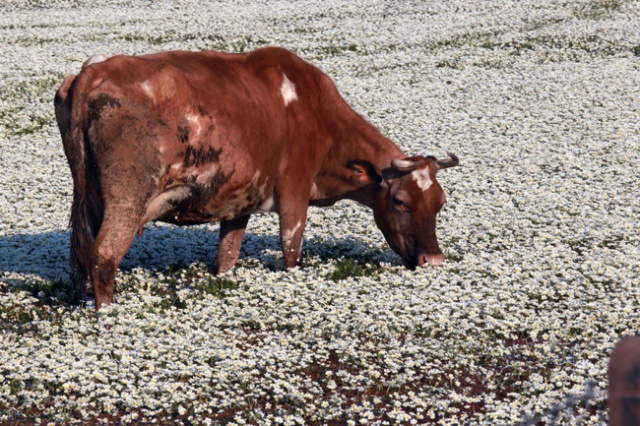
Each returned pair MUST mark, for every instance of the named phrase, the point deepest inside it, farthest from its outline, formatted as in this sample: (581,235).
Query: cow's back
(208,134)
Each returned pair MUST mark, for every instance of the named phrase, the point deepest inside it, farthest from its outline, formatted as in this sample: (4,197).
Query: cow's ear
(363,173)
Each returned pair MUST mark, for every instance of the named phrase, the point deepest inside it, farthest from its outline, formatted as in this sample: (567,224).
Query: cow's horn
(445,163)
(405,165)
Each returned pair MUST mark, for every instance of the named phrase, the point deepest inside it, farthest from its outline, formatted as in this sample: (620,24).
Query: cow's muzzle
(430,259)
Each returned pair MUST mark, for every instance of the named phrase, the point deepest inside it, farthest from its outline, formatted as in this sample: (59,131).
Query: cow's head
(406,203)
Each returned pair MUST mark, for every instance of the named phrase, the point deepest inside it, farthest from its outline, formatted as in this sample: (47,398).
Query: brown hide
(196,137)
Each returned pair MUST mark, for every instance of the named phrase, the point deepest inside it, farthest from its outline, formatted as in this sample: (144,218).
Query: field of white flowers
(541,101)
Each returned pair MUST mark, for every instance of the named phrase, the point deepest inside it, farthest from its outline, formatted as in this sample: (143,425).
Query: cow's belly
(191,203)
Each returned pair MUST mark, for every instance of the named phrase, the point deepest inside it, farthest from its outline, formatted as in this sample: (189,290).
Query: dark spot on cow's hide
(204,193)
(201,110)
(183,134)
(200,156)
(196,208)
(253,194)
(97,105)
(219,179)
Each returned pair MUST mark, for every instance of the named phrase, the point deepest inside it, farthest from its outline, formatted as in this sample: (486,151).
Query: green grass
(216,286)
(486,44)
(38,123)
(346,268)
(53,292)
(448,63)
(335,50)
(22,99)
(598,9)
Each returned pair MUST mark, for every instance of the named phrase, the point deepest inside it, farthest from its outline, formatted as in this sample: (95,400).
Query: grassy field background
(540,100)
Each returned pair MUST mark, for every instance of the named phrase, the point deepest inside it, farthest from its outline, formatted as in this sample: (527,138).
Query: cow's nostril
(430,259)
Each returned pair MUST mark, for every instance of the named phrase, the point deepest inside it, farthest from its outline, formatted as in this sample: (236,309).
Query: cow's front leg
(292,221)
(231,234)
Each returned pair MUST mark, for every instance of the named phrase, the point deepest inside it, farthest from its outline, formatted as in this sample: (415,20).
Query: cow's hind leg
(111,244)
(231,234)
(125,139)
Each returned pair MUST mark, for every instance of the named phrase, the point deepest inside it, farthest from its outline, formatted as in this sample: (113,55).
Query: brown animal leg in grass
(292,221)
(113,240)
(231,234)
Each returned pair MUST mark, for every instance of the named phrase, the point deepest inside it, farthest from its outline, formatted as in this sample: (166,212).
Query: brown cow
(197,137)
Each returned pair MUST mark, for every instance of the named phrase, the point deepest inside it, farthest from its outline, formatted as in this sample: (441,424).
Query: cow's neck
(353,139)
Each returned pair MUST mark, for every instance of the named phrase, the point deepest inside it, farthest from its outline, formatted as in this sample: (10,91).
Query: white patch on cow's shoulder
(96,59)
(288,90)
(422,178)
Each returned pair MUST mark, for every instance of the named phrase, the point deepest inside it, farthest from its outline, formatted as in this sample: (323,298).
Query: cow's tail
(72,123)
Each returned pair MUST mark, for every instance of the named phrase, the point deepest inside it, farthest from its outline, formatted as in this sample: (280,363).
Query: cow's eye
(400,204)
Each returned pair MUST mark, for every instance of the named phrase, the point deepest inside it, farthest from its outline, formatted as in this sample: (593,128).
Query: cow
(198,137)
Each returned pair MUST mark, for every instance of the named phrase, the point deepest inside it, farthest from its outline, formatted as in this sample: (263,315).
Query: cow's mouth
(430,259)
(422,259)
